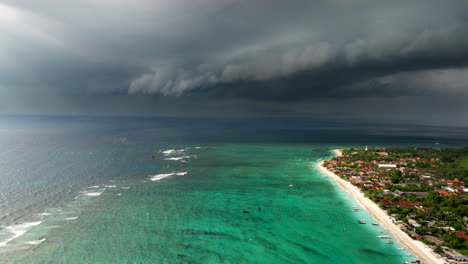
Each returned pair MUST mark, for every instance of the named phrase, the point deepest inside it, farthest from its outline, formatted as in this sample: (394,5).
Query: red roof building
(461,235)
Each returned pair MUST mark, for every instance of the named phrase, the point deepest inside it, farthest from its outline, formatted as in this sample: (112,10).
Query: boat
(383,237)
(380,231)
(389,242)
(362,221)
(376,224)
(355,208)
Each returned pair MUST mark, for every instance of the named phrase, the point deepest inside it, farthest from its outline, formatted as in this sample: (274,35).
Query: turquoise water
(108,190)
(195,215)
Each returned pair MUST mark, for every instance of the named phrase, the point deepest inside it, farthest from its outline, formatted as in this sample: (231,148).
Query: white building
(387,166)
(449,189)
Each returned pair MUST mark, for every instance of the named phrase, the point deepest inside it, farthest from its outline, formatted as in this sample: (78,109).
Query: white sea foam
(168,152)
(35,242)
(51,227)
(92,187)
(71,218)
(126,187)
(44,214)
(110,186)
(158,177)
(93,193)
(18,230)
(172,151)
(181,158)
(178,158)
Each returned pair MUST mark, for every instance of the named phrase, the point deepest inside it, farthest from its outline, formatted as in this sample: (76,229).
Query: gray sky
(397,61)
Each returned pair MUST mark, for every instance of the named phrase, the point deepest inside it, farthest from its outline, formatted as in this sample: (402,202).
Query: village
(423,190)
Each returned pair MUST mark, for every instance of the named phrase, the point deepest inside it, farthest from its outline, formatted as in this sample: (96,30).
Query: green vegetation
(424,188)
(464,252)
(463,162)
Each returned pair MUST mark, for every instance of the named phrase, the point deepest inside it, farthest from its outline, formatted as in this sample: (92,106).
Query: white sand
(418,248)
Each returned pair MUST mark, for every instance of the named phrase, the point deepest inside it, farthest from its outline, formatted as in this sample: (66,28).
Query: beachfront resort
(423,190)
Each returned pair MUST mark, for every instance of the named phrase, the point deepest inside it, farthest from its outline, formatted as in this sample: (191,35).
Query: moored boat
(383,237)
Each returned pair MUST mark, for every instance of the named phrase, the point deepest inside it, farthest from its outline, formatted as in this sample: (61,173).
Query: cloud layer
(263,53)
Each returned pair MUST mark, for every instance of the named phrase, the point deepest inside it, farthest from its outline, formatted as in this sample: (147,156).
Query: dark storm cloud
(267,56)
(326,50)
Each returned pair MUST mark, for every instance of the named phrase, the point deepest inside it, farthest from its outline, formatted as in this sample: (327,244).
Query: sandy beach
(423,252)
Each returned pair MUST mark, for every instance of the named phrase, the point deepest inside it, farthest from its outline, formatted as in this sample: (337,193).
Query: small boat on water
(354,208)
(376,224)
(380,231)
(389,242)
(383,237)
(362,221)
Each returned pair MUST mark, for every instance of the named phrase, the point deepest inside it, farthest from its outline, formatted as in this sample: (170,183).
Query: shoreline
(419,249)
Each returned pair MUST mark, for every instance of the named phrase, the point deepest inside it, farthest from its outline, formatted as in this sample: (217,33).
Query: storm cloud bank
(267,56)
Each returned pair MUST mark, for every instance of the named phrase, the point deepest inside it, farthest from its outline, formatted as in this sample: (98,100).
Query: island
(418,194)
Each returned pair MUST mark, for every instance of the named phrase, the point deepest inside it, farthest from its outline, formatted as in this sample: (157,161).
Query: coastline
(423,252)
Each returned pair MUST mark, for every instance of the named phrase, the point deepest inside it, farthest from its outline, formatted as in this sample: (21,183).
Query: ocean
(168,190)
